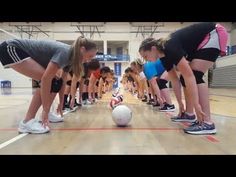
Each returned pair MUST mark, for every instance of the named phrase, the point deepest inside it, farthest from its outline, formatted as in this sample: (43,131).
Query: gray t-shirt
(44,51)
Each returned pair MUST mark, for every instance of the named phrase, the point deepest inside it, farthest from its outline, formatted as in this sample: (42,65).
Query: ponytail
(76,56)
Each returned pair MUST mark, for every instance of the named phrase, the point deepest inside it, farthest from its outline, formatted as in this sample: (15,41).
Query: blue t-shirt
(152,69)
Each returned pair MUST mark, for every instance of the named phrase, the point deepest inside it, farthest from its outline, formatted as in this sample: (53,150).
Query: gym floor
(91,129)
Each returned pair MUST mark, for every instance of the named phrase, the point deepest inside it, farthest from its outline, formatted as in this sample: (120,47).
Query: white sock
(189,114)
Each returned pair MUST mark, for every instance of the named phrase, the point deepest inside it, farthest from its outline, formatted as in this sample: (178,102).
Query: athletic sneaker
(184,118)
(144,99)
(66,106)
(54,118)
(32,126)
(78,104)
(89,103)
(84,102)
(74,108)
(150,102)
(167,108)
(156,104)
(196,122)
(201,129)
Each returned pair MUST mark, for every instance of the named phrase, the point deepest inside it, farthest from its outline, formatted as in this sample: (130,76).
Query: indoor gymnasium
(123,88)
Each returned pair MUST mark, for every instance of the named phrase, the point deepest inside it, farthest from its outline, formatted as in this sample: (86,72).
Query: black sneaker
(66,106)
(150,102)
(144,99)
(167,108)
(185,118)
(156,104)
(78,104)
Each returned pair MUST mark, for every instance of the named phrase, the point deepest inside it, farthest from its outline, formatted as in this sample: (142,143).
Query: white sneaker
(74,108)
(55,118)
(89,103)
(32,126)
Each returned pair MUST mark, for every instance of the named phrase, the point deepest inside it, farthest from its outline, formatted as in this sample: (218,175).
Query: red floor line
(186,124)
(121,129)
(208,137)
(101,129)
(212,139)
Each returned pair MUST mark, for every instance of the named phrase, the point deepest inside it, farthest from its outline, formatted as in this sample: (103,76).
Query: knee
(198,77)
(162,83)
(56,85)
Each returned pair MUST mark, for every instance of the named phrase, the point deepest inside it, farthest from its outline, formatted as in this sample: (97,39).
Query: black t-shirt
(184,42)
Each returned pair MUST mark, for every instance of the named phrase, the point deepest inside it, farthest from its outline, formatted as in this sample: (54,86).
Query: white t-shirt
(142,75)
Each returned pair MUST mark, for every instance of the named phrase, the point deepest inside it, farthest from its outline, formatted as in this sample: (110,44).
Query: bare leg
(204,101)
(35,71)
(189,103)
(166,95)
(165,92)
(30,68)
(202,65)
(34,106)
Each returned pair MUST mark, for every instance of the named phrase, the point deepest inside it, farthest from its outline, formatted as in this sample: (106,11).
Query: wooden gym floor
(91,130)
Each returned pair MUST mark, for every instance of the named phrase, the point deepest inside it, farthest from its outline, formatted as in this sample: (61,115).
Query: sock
(76,102)
(65,99)
(189,114)
(70,98)
(84,96)
(150,96)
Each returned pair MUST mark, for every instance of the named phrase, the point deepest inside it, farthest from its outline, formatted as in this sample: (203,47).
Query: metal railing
(113,57)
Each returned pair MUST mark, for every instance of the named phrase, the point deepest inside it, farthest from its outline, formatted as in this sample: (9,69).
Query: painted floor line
(104,129)
(12,140)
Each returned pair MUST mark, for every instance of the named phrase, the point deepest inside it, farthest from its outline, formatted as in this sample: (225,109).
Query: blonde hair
(138,64)
(76,56)
(149,42)
(137,61)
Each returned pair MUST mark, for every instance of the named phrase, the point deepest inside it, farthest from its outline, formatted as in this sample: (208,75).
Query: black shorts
(148,84)
(86,82)
(69,83)
(77,84)
(97,83)
(209,54)
(10,55)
